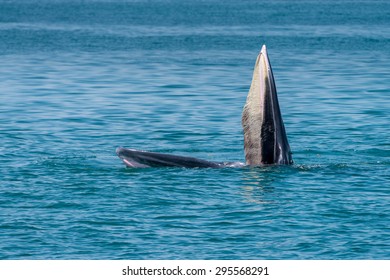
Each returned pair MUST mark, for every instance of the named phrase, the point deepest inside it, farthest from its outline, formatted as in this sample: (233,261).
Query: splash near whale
(265,138)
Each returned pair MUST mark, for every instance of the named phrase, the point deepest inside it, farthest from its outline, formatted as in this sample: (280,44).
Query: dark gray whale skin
(140,159)
(265,138)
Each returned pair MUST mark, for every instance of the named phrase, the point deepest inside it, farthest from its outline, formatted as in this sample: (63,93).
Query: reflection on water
(258,184)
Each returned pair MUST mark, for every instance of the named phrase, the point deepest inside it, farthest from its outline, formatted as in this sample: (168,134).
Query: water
(80,78)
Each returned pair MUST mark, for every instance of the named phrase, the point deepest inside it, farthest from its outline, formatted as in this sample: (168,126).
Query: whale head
(265,138)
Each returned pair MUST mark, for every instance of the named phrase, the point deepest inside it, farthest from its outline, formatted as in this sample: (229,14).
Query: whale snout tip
(123,152)
(118,150)
(263,49)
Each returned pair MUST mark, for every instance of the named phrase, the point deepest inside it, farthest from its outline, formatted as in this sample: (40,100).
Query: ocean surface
(80,78)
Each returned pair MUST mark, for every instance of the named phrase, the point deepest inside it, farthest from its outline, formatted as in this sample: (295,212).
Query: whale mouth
(265,138)
(128,160)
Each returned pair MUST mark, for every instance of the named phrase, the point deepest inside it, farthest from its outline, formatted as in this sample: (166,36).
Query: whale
(265,138)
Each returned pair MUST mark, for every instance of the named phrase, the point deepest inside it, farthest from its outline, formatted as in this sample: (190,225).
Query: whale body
(265,138)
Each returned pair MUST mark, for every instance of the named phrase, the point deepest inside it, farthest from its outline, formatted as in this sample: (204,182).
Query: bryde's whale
(265,138)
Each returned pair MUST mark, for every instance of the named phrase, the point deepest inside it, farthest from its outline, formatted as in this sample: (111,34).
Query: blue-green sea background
(80,78)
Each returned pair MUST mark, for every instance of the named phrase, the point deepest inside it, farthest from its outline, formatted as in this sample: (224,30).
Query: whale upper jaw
(265,138)
(139,159)
(128,160)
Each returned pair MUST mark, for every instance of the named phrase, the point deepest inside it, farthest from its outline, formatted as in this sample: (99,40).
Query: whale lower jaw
(265,138)
(133,163)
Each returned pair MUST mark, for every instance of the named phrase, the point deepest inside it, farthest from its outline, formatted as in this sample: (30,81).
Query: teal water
(80,78)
